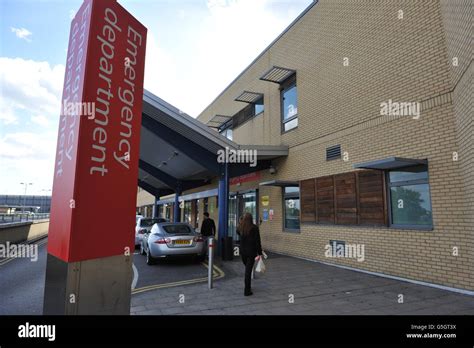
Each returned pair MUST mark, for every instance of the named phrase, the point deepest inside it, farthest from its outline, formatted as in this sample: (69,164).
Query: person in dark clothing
(208,229)
(250,248)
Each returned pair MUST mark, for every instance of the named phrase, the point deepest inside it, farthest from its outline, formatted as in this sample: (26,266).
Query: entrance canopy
(178,152)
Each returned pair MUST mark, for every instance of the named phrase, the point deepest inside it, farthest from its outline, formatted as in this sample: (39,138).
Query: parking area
(290,286)
(167,272)
(21,292)
(293,286)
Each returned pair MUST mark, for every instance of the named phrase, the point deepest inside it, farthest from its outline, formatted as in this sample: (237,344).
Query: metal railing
(22,217)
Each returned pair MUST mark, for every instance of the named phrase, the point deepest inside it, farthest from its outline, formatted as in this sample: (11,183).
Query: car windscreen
(177,229)
(150,222)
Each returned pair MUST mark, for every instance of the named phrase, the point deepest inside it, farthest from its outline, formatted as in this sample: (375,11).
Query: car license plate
(181,242)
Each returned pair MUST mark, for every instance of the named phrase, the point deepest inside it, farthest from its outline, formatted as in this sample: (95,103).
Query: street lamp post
(24,195)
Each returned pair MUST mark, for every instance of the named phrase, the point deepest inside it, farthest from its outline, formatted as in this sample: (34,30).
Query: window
(150,222)
(187,212)
(289,104)
(168,208)
(291,207)
(410,202)
(259,107)
(226,130)
(177,229)
(227,133)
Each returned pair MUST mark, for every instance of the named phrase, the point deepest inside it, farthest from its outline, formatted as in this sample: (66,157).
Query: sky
(195,48)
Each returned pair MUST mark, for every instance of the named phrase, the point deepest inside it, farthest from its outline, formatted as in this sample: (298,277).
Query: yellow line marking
(217,273)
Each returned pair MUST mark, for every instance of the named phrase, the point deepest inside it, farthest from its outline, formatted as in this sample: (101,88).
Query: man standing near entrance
(208,228)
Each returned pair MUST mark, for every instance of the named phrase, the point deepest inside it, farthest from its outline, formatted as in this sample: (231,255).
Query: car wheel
(150,260)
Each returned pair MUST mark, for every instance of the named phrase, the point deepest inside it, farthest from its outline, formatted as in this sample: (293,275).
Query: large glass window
(410,202)
(289,105)
(291,206)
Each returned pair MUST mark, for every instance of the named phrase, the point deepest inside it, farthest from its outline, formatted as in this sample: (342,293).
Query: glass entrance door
(233,217)
(239,204)
(249,204)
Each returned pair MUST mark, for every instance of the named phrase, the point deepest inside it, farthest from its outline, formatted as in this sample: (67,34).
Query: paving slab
(316,289)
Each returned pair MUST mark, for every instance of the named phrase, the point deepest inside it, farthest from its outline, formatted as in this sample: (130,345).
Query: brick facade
(407,59)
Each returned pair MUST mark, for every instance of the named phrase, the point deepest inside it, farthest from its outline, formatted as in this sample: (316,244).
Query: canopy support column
(223,199)
(177,211)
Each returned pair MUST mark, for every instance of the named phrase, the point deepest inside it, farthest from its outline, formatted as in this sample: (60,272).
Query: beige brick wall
(389,58)
(144,198)
(457,20)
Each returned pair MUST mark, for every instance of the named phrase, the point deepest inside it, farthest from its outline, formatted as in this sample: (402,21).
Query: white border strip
(135,276)
(418,282)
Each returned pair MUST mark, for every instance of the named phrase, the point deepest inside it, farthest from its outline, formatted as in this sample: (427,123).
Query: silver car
(172,239)
(143,226)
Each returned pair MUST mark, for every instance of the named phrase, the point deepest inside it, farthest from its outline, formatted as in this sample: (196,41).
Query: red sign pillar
(91,232)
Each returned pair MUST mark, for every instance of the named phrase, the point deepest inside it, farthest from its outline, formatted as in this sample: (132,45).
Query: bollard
(210,242)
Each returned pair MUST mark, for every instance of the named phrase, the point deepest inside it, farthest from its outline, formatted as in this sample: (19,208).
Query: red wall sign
(96,169)
(245,178)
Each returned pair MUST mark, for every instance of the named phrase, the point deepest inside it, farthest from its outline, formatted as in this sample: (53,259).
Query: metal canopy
(280,183)
(218,120)
(391,163)
(277,74)
(249,97)
(178,152)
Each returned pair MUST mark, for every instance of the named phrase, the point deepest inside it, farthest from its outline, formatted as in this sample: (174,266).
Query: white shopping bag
(260,268)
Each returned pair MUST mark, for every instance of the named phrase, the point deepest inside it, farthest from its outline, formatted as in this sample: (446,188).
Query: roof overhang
(218,120)
(280,183)
(249,97)
(391,163)
(278,74)
(178,152)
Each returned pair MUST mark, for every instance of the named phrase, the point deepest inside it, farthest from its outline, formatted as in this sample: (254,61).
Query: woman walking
(250,248)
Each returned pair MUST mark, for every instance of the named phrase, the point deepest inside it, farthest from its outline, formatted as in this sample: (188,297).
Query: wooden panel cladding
(372,205)
(346,199)
(308,200)
(325,199)
(355,198)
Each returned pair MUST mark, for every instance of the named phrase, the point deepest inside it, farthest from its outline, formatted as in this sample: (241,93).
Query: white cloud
(28,145)
(27,156)
(40,120)
(22,33)
(30,97)
(187,74)
(29,88)
(226,41)
(160,69)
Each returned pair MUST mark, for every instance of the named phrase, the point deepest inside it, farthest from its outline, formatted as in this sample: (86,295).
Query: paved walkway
(316,288)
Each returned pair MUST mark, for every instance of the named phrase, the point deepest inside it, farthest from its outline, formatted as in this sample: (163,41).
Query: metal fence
(22,217)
